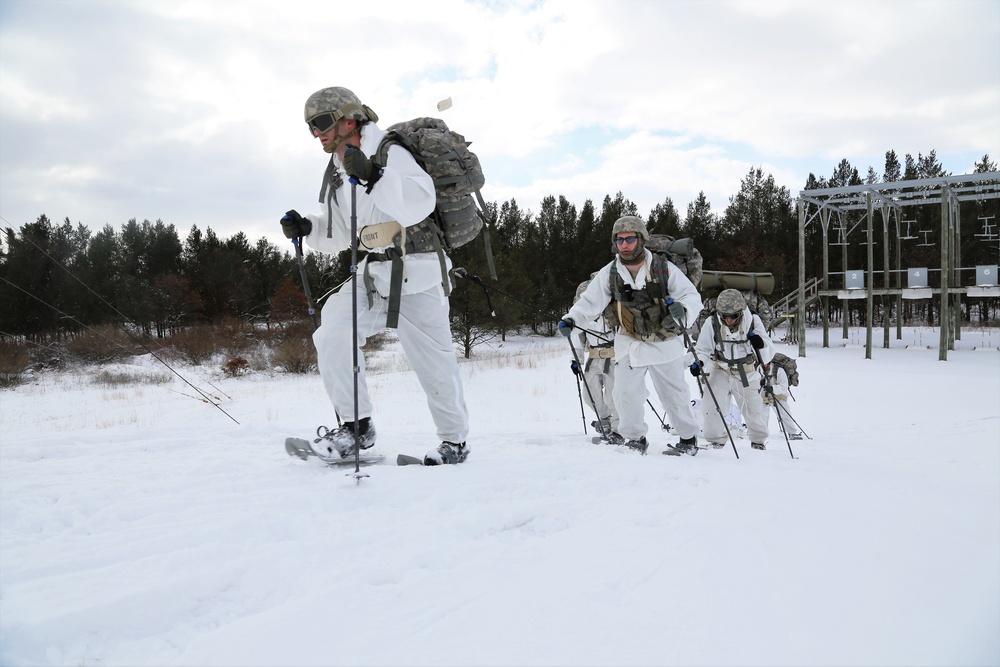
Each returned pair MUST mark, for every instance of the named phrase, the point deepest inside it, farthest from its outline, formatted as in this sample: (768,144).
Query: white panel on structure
(921,293)
(986,275)
(916,278)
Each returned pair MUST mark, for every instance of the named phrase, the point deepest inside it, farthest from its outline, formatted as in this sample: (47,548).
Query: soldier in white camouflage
(597,340)
(653,302)
(389,198)
(732,348)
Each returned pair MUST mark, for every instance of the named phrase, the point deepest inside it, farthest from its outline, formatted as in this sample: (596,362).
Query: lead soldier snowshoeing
(389,199)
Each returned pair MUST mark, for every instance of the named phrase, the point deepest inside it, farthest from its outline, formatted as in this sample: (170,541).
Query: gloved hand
(756,341)
(360,167)
(696,367)
(678,312)
(566,325)
(294,225)
(575,367)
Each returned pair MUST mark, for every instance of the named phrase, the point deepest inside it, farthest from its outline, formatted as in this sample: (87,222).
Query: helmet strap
(340,139)
(638,254)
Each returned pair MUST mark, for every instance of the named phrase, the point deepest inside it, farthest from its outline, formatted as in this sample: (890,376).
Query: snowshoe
(639,445)
(687,446)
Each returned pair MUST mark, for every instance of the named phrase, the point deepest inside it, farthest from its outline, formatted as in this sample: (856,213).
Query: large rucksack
(680,252)
(751,285)
(789,365)
(458,179)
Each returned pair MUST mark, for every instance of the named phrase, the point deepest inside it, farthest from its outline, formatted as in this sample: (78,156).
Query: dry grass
(111,379)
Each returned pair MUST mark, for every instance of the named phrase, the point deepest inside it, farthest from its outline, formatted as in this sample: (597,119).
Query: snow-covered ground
(141,526)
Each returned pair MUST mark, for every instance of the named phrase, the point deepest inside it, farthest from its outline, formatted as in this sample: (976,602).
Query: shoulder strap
(660,271)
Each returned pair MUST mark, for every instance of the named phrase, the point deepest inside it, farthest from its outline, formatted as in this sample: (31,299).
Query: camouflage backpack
(681,253)
(790,366)
(458,178)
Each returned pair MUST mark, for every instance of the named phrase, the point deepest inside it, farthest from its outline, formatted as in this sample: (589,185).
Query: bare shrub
(14,360)
(295,355)
(236,367)
(102,344)
(260,359)
(235,336)
(195,345)
(379,341)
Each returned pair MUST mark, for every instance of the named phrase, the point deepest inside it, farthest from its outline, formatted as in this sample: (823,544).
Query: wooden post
(800,318)
(824,217)
(945,271)
(899,273)
(845,311)
(956,277)
(886,299)
(870,292)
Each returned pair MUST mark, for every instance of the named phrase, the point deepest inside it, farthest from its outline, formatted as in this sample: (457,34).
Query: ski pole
(354,320)
(583,414)
(711,392)
(663,424)
(297,242)
(789,415)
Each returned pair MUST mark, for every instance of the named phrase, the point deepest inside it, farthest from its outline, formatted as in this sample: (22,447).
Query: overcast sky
(191,112)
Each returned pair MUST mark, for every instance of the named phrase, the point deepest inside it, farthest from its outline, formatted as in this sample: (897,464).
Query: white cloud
(582,98)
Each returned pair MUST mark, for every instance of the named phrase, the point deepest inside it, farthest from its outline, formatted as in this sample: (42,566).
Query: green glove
(678,312)
(360,167)
(294,225)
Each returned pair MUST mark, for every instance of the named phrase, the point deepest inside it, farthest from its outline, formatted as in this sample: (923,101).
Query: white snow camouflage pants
(424,332)
(748,400)
(671,388)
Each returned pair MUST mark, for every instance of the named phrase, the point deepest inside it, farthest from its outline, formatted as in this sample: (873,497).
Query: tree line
(57,279)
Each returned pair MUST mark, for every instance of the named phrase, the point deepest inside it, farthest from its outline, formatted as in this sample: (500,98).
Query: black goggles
(324,121)
(734,317)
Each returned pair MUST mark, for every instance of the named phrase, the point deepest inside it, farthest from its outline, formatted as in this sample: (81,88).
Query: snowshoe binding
(341,439)
(447,453)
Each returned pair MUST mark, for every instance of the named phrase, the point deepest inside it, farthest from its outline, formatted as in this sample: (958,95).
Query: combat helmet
(730,304)
(630,223)
(325,107)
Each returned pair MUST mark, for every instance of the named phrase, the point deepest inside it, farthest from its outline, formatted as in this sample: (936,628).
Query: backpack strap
(733,364)
(658,269)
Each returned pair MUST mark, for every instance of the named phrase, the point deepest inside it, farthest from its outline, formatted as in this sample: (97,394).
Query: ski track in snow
(144,527)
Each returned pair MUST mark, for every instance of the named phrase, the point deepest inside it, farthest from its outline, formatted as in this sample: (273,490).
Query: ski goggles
(619,240)
(324,121)
(731,317)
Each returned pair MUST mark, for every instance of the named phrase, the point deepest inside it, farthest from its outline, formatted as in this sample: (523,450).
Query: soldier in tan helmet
(653,303)
(389,199)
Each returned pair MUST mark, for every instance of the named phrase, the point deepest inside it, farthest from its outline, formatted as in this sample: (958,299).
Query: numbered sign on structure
(854,280)
(916,278)
(986,276)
